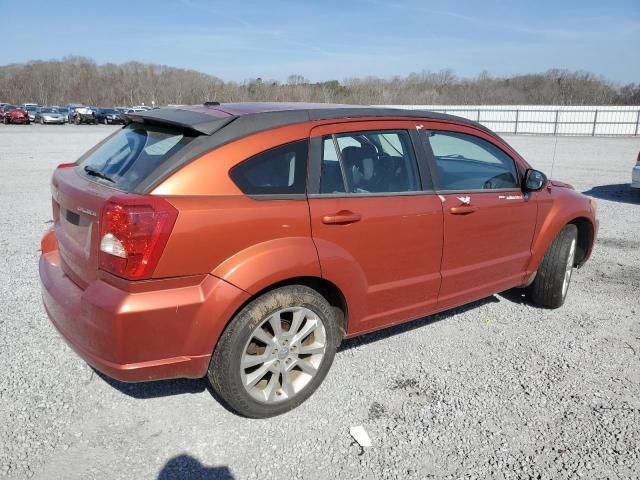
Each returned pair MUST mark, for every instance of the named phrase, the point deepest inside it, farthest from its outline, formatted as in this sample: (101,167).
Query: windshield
(63,110)
(132,155)
(30,108)
(47,110)
(109,110)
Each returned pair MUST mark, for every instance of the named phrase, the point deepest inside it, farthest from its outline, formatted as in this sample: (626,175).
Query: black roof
(236,120)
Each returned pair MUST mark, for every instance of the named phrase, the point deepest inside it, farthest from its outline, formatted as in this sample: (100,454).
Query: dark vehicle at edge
(110,116)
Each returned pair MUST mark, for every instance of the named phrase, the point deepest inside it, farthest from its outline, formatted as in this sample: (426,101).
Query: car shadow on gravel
(164,388)
(185,466)
(619,192)
(158,388)
(421,322)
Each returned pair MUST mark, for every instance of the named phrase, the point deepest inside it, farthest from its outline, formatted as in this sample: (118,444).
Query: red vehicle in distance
(12,114)
(243,242)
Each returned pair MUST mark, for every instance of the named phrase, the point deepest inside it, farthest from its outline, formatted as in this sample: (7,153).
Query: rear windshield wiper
(96,173)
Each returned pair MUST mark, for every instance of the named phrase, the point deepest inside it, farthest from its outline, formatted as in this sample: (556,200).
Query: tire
(5,120)
(76,121)
(106,122)
(551,285)
(272,394)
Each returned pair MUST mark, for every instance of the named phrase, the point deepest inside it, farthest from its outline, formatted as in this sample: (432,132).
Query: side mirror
(534,180)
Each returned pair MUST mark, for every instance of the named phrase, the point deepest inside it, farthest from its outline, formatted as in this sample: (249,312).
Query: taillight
(638,159)
(66,165)
(133,234)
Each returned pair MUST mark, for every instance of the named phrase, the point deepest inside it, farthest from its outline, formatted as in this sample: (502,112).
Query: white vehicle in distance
(635,173)
(137,110)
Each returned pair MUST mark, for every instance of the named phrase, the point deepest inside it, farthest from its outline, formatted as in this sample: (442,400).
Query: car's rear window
(133,155)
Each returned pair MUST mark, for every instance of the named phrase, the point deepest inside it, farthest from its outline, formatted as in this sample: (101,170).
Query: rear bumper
(635,177)
(159,333)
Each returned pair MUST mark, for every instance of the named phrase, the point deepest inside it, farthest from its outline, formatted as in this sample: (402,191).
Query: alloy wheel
(283,354)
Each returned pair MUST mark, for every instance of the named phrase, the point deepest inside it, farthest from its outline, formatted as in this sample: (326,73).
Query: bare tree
(80,79)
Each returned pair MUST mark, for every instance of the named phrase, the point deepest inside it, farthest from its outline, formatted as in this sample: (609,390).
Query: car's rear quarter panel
(249,242)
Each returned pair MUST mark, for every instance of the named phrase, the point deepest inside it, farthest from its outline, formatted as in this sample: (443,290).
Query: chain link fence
(548,120)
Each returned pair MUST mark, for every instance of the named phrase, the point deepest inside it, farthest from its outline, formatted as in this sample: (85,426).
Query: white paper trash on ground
(361,436)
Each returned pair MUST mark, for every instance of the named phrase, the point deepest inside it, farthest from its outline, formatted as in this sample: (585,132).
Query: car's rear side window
(133,155)
(279,171)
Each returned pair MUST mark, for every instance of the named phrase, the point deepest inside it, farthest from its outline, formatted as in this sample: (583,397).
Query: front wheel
(549,288)
(275,353)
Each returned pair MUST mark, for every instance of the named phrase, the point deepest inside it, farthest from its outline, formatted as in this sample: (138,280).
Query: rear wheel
(5,121)
(76,120)
(549,288)
(275,353)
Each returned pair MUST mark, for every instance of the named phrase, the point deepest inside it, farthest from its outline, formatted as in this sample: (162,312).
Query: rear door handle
(341,218)
(464,210)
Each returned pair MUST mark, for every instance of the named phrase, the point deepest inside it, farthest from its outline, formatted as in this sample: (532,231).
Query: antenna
(553,161)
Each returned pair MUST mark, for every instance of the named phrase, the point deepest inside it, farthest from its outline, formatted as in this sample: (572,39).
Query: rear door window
(133,155)
(369,162)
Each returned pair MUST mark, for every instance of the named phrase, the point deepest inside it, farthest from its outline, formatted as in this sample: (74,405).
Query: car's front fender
(555,211)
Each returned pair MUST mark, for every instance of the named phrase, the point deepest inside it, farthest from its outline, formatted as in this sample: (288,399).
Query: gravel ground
(494,389)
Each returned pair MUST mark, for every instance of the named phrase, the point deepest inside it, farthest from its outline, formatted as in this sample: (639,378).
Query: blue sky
(332,39)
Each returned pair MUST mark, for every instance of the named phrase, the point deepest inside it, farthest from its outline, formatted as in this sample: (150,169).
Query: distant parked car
(84,115)
(31,109)
(72,107)
(46,115)
(109,116)
(635,173)
(137,110)
(64,111)
(12,114)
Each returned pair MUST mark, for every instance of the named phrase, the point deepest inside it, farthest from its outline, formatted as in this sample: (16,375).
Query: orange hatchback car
(243,242)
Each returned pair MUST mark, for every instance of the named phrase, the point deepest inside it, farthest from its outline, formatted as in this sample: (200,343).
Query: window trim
(314,169)
(431,160)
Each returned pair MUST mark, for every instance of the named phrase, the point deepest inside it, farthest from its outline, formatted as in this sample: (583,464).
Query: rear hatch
(112,173)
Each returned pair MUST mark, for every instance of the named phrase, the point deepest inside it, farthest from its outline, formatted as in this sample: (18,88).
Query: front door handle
(341,218)
(464,210)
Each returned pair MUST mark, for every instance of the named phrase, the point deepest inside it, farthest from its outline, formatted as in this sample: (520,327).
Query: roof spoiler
(200,123)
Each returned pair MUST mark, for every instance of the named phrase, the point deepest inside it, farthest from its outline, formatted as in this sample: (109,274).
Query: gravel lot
(497,388)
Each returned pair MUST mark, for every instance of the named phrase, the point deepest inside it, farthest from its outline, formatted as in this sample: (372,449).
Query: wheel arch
(586,236)
(324,287)
(553,226)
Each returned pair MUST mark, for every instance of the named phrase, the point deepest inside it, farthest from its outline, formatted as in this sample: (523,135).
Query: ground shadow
(620,192)
(408,326)
(158,388)
(185,466)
